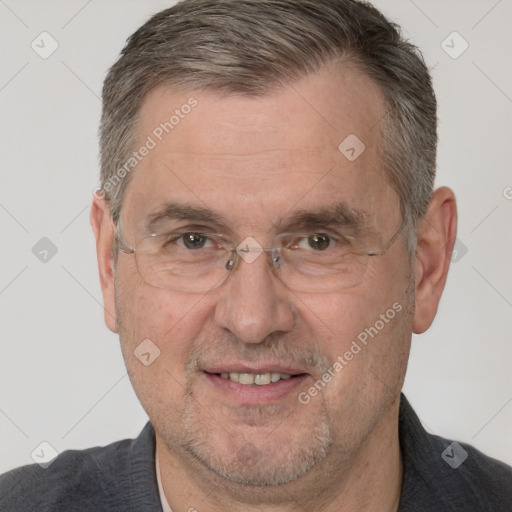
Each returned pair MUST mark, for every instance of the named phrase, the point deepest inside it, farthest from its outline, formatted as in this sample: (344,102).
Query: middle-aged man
(268,240)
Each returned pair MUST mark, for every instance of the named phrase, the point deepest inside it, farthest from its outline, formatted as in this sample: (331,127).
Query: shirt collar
(165,504)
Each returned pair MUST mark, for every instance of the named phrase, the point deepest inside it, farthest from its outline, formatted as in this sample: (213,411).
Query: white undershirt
(163,499)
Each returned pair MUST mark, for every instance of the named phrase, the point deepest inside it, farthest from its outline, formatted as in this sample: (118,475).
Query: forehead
(254,159)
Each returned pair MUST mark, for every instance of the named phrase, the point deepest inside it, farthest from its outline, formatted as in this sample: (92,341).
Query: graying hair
(252,47)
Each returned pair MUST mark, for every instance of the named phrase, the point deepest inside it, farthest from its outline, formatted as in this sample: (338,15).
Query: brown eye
(194,240)
(319,242)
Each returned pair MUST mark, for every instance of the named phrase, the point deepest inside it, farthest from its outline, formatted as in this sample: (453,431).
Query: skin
(254,161)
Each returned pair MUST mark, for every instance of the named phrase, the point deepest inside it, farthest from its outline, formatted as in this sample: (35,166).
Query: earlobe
(103,229)
(436,237)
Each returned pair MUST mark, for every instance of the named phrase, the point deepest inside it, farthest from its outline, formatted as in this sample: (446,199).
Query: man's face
(256,163)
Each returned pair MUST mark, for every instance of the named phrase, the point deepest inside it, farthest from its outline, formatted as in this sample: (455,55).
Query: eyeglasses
(192,261)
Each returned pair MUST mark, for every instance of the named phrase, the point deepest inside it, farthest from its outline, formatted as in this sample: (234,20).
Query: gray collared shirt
(439,476)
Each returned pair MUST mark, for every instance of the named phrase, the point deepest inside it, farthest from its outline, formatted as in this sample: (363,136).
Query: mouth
(256,379)
(255,386)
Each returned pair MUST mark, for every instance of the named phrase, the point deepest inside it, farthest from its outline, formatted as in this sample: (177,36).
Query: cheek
(163,325)
(364,331)
(338,317)
(160,323)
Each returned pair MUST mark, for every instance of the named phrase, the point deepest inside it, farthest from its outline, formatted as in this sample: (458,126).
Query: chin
(262,456)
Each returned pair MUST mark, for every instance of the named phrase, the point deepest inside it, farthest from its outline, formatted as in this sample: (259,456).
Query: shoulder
(79,480)
(471,466)
(449,474)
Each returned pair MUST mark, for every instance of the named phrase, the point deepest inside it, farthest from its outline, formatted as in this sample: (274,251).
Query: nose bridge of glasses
(249,250)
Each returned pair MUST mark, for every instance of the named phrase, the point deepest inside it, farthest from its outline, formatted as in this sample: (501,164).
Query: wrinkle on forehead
(254,159)
(333,102)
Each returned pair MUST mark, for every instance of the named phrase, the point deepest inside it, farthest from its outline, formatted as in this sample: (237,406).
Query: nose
(254,303)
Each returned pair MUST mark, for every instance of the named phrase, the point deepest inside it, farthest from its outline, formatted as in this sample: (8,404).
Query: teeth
(260,379)
(246,378)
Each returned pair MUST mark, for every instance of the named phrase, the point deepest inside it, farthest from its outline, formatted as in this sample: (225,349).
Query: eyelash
(337,238)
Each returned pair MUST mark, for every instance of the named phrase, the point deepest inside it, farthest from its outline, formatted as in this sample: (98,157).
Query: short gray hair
(254,46)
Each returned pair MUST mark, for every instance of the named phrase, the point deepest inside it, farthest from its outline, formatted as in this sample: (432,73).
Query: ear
(103,228)
(437,230)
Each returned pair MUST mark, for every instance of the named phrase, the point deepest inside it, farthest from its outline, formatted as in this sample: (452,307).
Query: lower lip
(253,394)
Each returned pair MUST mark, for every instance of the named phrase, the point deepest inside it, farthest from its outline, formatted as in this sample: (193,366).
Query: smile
(258,379)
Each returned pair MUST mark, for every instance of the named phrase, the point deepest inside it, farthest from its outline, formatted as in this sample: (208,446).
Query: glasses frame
(232,262)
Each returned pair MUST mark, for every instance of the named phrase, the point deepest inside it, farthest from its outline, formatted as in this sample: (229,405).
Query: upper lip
(259,369)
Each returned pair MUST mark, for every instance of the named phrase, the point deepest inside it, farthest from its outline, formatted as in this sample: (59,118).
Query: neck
(369,480)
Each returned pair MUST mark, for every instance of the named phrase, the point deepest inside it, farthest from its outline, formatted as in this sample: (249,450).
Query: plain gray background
(62,376)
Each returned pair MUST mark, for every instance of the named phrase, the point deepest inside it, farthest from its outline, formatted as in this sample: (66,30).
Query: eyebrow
(339,215)
(176,211)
